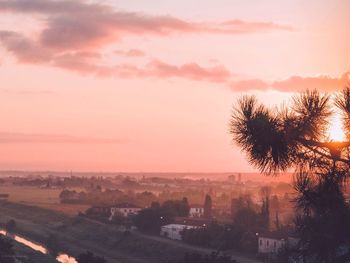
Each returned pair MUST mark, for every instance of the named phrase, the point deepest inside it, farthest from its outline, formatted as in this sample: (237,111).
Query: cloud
(89,62)
(191,71)
(323,83)
(25,50)
(154,69)
(8,137)
(79,24)
(75,31)
(295,83)
(130,53)
(244,27)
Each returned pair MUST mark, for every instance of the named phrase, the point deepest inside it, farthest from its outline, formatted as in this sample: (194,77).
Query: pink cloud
(75,31)
(295,83)
(237,26)
(191,71)
(154,69)
(323,83)
(89,62)
(82,25)
(131,53)
(25,50)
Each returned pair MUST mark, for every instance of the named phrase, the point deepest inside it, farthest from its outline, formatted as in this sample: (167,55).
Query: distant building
(271,243)
(99,211)
(173,231)
(125,209)
(196,211)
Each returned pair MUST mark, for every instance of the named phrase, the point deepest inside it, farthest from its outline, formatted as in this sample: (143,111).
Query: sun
(336,129)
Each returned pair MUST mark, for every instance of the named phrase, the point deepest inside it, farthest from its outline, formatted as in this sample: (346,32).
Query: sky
(149,85)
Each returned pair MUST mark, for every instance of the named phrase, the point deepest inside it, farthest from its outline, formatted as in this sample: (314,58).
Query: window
(260,242)
(274,244)
(267,243)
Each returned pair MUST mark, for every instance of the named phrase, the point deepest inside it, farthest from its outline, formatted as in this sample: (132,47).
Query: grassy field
(28,255)
(46,198)
(76,235)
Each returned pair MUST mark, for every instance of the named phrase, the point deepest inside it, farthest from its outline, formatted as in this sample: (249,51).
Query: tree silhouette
(10,226)
(207,206)
(6,248)
(279,139)
(53,245)
(89,257)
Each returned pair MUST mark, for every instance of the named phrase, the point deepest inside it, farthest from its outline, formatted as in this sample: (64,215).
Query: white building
(271,243)
(196,211)
(124,209)
(173,231)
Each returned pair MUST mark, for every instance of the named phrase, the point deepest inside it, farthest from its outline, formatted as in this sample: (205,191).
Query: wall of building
(270,245)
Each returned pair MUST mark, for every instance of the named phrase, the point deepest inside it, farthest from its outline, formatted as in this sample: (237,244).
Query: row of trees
(151,219)
(240,235)
(106,197)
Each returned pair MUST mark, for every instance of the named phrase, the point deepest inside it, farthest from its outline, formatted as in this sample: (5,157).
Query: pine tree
(276,141)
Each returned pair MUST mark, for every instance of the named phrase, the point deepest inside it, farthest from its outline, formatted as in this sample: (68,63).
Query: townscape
(195,212)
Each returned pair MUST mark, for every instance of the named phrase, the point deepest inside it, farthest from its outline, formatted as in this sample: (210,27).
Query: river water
(62,258)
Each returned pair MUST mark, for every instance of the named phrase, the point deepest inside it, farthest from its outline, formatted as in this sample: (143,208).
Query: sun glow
(336,129)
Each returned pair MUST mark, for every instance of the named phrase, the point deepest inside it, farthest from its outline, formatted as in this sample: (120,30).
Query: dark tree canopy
(276,140)
(211,258)
(151,219)
(89,257)
(280,139)
(207,206)
(6,247)
(10,226)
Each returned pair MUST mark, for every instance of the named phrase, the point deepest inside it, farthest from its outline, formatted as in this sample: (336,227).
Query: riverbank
(28,255)
(75,235)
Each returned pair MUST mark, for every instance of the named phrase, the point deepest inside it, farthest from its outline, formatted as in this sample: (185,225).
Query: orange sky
(149,85)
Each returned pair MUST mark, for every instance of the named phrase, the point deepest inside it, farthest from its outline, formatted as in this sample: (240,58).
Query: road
(237,256)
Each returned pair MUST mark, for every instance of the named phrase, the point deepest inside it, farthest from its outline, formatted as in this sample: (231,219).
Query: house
(124,209)
(173,231)
(270,243)
(103,211)
(196,211)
